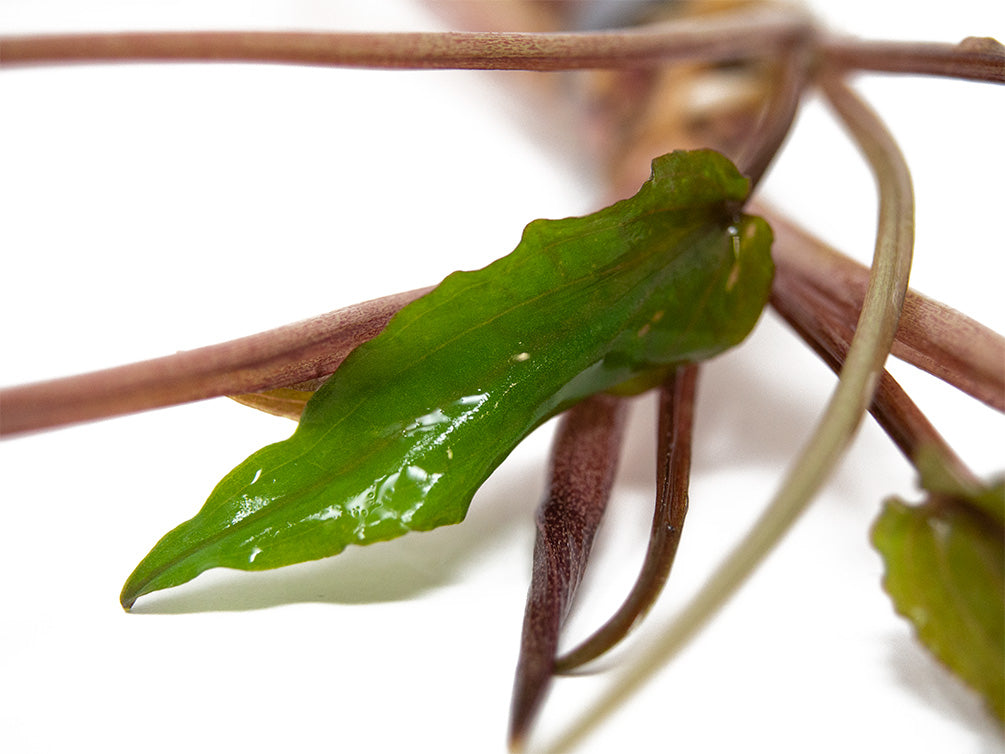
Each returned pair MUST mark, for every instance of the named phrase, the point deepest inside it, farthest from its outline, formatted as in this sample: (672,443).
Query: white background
(150,209)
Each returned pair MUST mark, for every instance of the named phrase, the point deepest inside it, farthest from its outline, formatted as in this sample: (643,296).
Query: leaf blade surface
(413,422)
(945,573)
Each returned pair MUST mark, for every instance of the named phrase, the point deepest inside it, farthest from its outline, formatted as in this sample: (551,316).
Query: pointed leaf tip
(412,423)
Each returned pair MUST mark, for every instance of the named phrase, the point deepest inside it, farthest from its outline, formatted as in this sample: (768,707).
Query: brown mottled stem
(974,59)
(584,463)
(930,335)
(673,470)
(284,356)
(727,36)
(810,317)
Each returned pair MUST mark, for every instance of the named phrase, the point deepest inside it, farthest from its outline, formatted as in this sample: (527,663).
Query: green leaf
(945,572)
(412,423)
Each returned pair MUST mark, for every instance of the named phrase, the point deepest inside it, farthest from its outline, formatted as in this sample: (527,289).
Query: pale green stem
(859,377)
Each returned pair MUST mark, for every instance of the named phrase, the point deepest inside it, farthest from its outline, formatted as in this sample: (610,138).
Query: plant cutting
(799,293)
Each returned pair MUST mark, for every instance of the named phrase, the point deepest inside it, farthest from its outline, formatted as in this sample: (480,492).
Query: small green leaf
(945,572)
(412,423)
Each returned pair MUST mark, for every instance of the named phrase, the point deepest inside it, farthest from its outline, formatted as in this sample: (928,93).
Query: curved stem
(909,429)
(280,357)
(725,36)
(931,336)
(676,418)
(777,117)
(859,377)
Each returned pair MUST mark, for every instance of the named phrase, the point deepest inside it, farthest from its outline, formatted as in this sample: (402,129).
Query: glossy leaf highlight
(404,433)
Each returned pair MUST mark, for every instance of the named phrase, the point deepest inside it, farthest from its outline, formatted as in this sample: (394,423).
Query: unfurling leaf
(404,433)
(945,571)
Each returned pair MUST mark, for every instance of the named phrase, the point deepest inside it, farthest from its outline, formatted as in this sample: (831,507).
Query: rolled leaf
(412,423)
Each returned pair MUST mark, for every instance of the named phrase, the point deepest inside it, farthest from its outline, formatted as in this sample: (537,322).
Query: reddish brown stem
(730,35)
(801,306)
(777,116)
(584,462)
(975,58)
(930,335)
(673,470)
(284,356)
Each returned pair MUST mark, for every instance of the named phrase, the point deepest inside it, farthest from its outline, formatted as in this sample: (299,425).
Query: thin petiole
(930,335)
(909,429)
(849,402)
(777,116)
(676,419)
